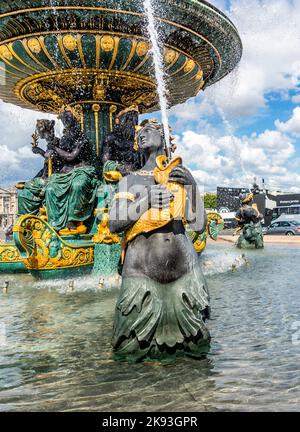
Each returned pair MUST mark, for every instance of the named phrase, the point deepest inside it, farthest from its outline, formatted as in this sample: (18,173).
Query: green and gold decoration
(10,259)
(46,254)
(96,56)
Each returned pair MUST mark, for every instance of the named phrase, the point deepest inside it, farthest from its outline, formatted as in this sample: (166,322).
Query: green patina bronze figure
(31,196)
(118,146)
(249,224)
(164,300)
(70,194)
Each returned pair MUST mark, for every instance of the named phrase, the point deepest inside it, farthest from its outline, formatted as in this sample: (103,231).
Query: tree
(210,201)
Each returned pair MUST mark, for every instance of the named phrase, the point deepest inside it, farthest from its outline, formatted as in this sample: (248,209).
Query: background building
(8,206)
(270,204)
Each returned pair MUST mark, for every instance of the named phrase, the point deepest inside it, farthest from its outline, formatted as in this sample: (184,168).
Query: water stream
(159,67)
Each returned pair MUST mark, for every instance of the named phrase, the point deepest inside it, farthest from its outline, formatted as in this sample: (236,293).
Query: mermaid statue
(164,301)
(249,223)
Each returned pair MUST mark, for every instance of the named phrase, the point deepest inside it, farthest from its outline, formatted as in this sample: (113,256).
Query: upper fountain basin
(73,51)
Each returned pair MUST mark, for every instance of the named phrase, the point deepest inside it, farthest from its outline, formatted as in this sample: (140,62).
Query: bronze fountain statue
(249,223)
(164,300)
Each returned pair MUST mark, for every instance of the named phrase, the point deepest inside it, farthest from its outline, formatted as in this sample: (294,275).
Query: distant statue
(119,145)
(71,193)
(32,193)
(249,224)
(164,301)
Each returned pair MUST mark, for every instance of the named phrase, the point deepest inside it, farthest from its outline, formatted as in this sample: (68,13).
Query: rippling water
(57,356)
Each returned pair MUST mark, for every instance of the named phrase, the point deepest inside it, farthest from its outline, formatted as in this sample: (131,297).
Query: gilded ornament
(70,42)
(199,75)
(34,45)
(5,52)
(99,90)
(104,234)
(190,64)
(45,250)
(107,43)
(9,254)
(142,48)
(96,107)
(170,56)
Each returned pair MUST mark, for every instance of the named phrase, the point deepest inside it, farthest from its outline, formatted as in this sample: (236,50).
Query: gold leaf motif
(4,52)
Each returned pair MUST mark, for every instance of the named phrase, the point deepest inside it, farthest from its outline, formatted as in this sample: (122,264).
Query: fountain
(249,222)
(101,61)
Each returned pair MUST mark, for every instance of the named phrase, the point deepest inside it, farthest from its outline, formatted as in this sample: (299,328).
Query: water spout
(159,68)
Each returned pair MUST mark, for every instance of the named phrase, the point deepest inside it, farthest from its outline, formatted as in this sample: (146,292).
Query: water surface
(57,357)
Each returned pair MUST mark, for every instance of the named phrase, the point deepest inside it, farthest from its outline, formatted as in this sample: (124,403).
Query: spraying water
(159,67)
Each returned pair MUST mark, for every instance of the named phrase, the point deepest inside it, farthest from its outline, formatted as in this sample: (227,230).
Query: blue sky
(247,125)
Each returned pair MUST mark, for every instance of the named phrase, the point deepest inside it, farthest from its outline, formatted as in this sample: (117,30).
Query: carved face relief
(149,138)
(107,43)
(69,42)
(34,45)
(170,56)
(142,48)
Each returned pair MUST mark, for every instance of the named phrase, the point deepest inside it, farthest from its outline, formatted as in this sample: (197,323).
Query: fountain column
(97,120)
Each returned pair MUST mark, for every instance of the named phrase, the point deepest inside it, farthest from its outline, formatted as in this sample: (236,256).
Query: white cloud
(17,162)
(228,160)
(270,33)
(292,126)
(296,99)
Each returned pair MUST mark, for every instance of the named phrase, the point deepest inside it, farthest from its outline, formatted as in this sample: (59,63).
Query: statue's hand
(50,146)
(49,154)
(160,197)
(182,176)
(36,150)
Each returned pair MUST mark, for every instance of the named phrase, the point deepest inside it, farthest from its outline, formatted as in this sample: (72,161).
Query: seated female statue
(31,196)
(71,193)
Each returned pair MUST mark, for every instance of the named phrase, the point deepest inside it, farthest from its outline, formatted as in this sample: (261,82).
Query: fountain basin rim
(103,9)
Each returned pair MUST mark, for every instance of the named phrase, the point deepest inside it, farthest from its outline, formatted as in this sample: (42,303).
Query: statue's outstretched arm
(69,156)
(38,150)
